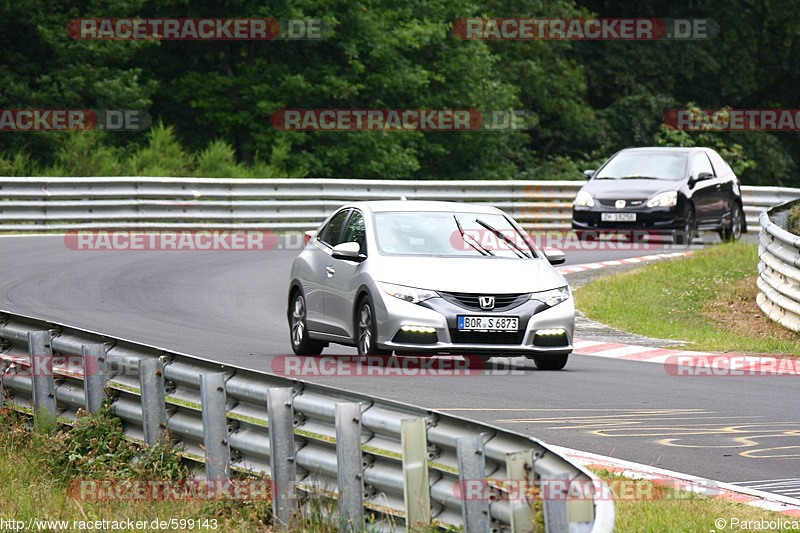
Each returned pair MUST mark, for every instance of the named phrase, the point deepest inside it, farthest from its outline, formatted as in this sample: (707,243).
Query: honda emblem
(487,302)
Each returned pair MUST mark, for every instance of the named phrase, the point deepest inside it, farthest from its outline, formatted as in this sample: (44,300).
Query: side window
(355,231)
(702,164)
(333,230)
(720,165)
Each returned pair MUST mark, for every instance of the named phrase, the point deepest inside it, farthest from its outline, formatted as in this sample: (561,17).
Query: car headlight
(584,199)
(553,296)
(409,294)
(664,199)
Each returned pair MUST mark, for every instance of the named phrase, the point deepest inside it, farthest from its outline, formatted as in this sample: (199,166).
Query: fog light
(550,337)
(416,335)
(553,331)
(418,329)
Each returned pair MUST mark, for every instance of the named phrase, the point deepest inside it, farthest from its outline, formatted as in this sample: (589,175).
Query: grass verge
(652,507)
(707,299)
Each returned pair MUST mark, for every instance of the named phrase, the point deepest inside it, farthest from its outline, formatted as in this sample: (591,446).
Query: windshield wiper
(640,178)
(517,250)
(471,241)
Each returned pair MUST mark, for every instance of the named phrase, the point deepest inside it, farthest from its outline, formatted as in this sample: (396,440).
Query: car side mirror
(702,176)
(348,251)
(588,174)
(556,257)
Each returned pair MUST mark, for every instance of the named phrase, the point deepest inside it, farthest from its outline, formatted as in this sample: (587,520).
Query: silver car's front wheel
(301,343)
(366,330)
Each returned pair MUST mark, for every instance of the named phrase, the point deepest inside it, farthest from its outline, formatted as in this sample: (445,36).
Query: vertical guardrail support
(282,456)
(44,387)
(215,426)
(556,519)
(349,463)
(519,466)
(94,375)
(154,409)
(3,367)
(472,469)
(416,487)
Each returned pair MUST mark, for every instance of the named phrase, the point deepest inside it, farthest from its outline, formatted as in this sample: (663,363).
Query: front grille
(635,202)
(486,337)
(472,300)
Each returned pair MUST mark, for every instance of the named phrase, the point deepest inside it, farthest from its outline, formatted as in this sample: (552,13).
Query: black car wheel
(689,231)
(550,362)
(366,329)
(734,231)
(301,343)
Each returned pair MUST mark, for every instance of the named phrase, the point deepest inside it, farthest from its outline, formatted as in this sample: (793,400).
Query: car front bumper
(437,313)
(647,219)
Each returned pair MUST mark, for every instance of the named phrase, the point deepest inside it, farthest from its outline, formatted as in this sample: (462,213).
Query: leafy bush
(95,447)
(793,220)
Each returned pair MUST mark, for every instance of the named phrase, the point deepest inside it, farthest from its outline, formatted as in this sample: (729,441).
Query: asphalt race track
(231,307)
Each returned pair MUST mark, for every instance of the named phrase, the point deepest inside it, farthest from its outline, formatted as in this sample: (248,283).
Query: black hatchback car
(667,191)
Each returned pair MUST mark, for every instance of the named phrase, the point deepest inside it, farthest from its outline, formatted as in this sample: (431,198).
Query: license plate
(618,217)
(488,323)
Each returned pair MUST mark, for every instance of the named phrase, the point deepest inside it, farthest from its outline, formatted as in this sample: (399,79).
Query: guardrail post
(94,375)
(215,426)
(3,367)
(349,462)
(556,518)
(472,469)
(416,487)
(282,456)
(154,409)
(44,387)
(519,466)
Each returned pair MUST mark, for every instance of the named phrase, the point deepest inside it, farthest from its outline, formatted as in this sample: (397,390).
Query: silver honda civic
(427,278)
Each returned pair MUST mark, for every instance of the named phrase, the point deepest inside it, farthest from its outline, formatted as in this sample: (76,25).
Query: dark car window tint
(334,228)
(644,164)
(701,165)
(355,231)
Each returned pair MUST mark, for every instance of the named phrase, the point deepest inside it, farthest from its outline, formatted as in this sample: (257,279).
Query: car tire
(551,362)
(734,231)
(366,329)
(689,231)
(302,344)
(586,235)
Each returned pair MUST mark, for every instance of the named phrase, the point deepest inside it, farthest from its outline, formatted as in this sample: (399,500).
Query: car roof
(663,149)
(379,206)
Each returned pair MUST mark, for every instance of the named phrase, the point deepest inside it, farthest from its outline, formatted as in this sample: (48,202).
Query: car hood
(629,188)
(474,275)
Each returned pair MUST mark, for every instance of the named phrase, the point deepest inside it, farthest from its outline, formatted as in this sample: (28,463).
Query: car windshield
(449,234)
(628,165)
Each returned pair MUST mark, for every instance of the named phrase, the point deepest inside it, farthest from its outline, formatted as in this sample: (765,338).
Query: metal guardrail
(138,203)
(779,268)
(304,436)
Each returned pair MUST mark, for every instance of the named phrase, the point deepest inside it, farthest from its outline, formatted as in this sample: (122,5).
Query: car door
(707,194)
(729,181)
(319,258)
(342,280)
